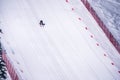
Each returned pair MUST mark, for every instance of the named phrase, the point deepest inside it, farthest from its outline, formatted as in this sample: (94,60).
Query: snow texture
(109,12)
(71,46)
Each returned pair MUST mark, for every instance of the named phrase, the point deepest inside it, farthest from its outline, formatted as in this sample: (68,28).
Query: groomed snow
(65,49)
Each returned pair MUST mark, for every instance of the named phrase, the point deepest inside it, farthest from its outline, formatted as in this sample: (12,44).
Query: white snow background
(71,46)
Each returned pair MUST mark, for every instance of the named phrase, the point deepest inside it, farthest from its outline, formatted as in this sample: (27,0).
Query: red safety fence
(102,25)
(10,67)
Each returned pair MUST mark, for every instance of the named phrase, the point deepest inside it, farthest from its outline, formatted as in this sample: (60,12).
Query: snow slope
(71,46)
(108,11)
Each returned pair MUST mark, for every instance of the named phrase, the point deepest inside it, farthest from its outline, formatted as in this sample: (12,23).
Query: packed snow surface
(71,45)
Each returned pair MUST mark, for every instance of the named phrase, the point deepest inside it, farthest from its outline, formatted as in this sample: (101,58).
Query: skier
(41,23)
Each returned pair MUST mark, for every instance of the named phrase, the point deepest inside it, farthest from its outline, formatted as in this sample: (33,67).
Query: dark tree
(3,74)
